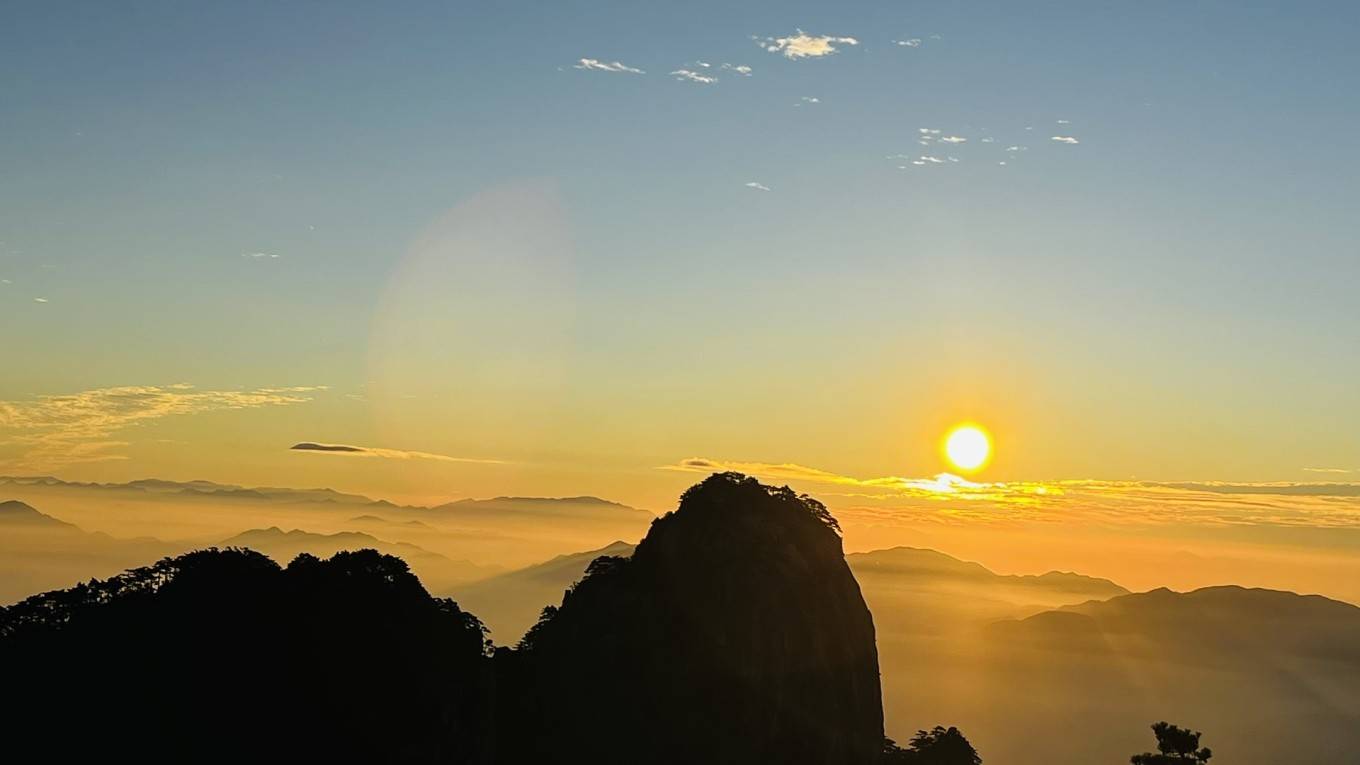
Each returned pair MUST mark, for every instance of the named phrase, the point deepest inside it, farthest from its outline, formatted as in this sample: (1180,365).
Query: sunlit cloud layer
(803,45)
(373,451)
(946,498)
(52,431)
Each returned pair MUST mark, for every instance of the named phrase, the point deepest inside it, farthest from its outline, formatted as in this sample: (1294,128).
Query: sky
(596,248)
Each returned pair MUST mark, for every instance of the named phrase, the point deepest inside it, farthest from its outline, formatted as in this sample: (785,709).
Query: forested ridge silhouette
(735,634)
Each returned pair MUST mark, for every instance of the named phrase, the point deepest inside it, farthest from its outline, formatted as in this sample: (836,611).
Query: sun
(968,447)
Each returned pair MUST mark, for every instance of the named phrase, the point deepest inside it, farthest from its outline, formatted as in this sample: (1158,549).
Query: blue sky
(1172,297)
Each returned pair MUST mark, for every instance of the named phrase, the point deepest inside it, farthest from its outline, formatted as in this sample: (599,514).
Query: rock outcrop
(736,633)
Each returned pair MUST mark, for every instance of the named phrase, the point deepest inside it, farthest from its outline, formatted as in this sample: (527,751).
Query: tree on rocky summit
(938,746)
(1175,746)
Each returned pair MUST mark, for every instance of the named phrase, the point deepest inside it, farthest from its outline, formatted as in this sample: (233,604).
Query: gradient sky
(428,228)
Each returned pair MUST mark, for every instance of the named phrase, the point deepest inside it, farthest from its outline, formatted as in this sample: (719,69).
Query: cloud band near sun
(947,498)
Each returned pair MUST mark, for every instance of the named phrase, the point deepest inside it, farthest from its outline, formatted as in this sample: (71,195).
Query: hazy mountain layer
(501,532)
(39,552)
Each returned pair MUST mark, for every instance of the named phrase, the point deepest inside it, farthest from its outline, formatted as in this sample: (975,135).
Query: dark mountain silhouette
(735,634)
(436,571)
(737,628)
(510,603)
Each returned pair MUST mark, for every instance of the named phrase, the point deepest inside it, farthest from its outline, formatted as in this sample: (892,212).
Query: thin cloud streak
(690,75)
(591,64)
(395,454)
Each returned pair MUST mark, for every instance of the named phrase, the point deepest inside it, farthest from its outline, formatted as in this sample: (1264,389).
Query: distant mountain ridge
(16,513)
(322,495)
(438,572)
(510,603)
(920,561)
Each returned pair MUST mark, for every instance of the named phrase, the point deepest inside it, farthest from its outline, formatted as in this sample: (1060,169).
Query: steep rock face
(735,634)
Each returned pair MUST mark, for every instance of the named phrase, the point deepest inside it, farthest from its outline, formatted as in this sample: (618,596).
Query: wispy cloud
(953,139)
(741,69)
(1326,470)
(40,300)
(808,100)
(913,42)
(591,64)
(689,75)
(57,430)
(757,186)
(803,45)
(260,255)
(395,454)
(1065,139)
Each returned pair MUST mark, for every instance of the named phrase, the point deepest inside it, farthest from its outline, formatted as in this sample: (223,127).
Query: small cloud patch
(689,75)
(803,45)
(595,65)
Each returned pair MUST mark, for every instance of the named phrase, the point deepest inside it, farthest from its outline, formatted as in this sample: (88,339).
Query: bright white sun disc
(968,447)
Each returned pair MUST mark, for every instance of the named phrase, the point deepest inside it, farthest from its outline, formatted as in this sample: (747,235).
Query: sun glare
(968,447)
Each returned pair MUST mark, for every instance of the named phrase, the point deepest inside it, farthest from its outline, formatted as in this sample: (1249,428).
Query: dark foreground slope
(736,635)
(222,655)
